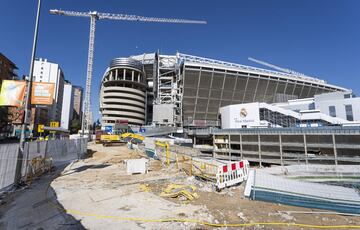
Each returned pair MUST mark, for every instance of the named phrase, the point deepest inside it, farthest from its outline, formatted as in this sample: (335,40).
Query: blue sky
(316,37)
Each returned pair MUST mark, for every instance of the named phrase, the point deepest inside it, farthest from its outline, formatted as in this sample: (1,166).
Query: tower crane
(94,16)
(284,70)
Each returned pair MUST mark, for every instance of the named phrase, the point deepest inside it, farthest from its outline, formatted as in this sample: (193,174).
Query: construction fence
(221,173)
(38,157)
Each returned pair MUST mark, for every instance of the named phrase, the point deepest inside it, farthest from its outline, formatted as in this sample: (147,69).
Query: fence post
(305,149)
(46,149)
(229,137)
(27,158)
(78,144)
(335,150)
(259,149)
(214,145)
(241,147)
(281,151)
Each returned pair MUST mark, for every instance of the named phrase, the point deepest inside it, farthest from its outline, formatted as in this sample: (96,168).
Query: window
(349,113)
(346,95)
(311,106)
(332,111)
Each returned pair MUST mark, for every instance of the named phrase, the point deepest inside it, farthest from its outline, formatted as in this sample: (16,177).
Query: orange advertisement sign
(12,93)
(42,93)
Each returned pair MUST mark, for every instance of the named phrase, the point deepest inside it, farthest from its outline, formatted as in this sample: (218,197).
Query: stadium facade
(187,91)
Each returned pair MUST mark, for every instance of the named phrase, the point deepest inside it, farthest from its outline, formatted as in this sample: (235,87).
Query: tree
(75,126)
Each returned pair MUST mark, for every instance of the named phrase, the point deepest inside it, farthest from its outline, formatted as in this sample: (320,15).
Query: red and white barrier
(232,173)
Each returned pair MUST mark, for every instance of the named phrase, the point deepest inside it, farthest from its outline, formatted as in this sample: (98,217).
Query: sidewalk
(29,209)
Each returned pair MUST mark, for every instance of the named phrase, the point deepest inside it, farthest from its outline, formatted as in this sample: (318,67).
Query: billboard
(12,93)
(42,93)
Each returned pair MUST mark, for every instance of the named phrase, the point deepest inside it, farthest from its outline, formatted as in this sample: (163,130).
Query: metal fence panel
(8,158)
(61,152)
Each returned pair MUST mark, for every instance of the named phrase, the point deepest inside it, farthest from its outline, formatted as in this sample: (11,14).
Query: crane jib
(94,15)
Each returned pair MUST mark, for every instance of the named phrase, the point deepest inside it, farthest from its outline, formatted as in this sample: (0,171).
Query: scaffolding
(168,86)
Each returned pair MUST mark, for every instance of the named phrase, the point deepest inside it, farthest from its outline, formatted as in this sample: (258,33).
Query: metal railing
(196,59)
(310,130)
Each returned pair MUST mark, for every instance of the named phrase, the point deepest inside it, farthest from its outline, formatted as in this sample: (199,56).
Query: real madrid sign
(243,112)
(247,115)
(240,116)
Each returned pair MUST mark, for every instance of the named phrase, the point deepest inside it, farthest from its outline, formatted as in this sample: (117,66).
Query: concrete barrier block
(134,166)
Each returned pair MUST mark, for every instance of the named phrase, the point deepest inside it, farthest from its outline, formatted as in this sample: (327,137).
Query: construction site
(180,142)
(125,186)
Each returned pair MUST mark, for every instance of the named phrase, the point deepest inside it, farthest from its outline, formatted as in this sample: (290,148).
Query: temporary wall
(61,152)
(8,156)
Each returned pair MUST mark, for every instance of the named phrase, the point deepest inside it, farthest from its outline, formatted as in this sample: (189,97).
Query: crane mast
(85,122)
(94,16)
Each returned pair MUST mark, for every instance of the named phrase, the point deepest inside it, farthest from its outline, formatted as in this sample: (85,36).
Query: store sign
(54,124)
(42,93)
(12,93)
(40,128)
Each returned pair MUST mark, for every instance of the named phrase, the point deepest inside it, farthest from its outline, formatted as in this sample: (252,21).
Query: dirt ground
(99,194)
(227,206)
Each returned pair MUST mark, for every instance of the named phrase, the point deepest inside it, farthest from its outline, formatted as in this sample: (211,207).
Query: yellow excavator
(107,140)
(132,137)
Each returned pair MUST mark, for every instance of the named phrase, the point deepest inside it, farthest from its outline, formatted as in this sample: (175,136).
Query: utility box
(137,166)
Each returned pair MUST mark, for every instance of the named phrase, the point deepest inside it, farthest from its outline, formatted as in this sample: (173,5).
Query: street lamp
(27,107)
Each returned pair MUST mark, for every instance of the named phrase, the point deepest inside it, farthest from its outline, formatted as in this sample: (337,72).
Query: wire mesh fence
(38,155)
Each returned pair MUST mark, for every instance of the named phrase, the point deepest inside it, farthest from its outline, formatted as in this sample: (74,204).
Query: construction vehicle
(132,137)
(126,137)
(109,139)
(98,134)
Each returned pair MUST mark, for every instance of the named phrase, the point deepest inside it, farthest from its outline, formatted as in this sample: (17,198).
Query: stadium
(186,91)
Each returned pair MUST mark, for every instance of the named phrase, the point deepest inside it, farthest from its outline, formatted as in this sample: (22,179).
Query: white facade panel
(340,107)
(240,116)
(67,108)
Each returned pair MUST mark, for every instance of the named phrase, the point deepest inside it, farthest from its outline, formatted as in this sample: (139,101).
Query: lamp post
(27,106)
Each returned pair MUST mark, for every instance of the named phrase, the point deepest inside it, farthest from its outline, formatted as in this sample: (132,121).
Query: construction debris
(177,190)
(145,188)
(38,166)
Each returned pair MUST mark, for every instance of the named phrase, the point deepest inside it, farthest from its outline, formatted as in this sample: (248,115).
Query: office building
(67,106)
